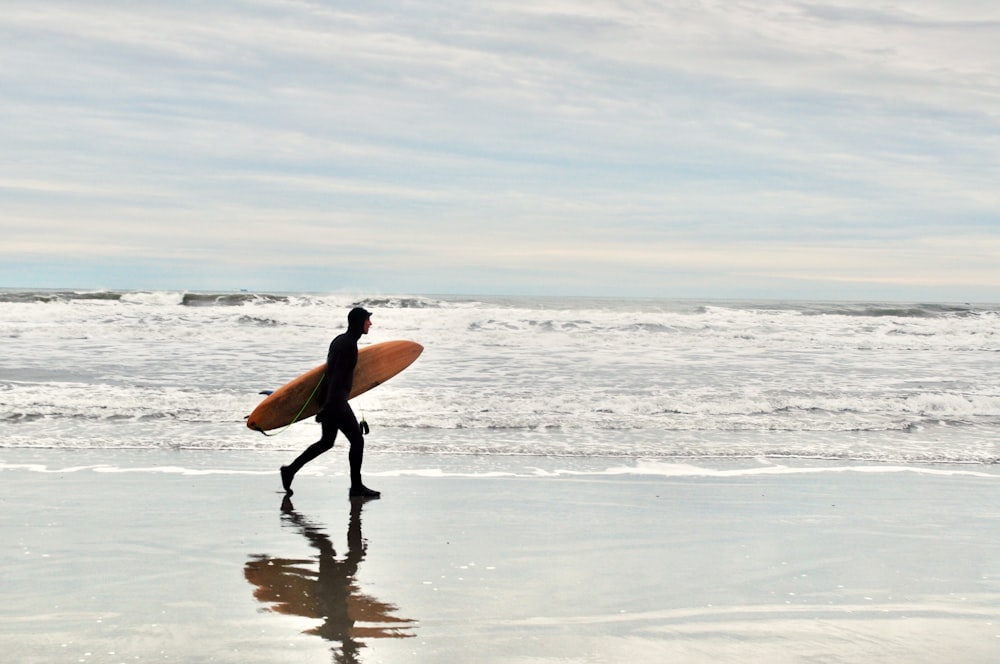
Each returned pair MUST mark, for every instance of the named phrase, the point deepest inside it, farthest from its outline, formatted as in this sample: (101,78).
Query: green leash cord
(362,424)
(299,414)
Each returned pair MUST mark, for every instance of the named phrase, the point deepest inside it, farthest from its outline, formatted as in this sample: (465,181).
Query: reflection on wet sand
(330,593)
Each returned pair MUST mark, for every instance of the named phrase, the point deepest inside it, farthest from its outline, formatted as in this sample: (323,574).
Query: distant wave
(234,299)
(857,309)
(249,298)
(205,298)
(44,296)
(896,310)
(400,303)
(915,311)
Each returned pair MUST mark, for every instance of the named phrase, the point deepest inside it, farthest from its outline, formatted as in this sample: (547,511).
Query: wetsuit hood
(356,321)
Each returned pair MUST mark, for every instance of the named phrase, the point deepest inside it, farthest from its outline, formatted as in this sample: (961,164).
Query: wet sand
(124,556)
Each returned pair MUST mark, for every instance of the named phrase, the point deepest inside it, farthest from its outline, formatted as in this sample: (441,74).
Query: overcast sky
(700,148)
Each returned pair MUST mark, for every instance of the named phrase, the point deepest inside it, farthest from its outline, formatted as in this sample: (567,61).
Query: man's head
(359,319)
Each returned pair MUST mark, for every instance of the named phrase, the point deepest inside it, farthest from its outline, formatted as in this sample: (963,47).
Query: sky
(701,148)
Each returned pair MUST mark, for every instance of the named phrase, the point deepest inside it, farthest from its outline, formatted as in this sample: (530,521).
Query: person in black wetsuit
(336,413)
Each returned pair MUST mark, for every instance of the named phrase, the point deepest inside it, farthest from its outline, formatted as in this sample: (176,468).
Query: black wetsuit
(336,414)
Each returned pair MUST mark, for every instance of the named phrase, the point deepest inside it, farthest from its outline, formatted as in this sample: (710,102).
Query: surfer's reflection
(331,593)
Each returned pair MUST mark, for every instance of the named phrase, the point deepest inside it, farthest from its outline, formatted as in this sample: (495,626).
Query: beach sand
(191,556)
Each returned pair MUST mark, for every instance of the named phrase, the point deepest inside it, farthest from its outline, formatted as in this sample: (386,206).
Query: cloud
(587,146)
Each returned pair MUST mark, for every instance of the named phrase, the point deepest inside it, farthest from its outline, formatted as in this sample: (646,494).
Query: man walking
(336,414)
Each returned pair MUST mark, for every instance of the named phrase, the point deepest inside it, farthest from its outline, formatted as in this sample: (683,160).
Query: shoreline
(195,555)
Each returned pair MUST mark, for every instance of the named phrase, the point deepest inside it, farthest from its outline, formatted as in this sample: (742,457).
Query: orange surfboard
(376,364)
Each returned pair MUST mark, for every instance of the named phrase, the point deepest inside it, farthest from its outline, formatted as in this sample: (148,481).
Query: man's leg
(324,444)
(355,456)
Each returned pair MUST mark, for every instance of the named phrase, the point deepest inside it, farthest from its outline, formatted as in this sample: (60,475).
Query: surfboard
(376,364)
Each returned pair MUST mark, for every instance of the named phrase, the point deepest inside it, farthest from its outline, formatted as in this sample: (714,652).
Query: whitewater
(902,383)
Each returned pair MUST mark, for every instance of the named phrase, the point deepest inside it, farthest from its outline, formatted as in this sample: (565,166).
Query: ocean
(901,383)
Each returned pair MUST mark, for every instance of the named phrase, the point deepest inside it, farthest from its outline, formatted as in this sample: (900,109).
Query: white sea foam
(499,376)
(640,469)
